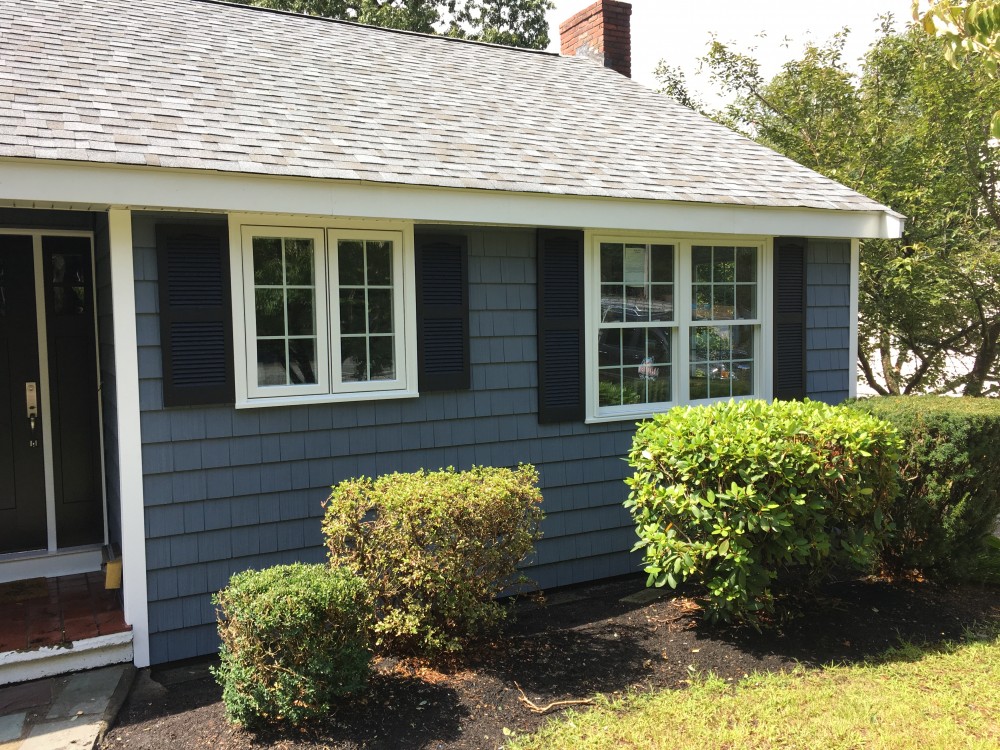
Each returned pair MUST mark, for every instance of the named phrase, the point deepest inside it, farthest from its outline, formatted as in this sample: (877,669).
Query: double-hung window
(672,322)
(326,315)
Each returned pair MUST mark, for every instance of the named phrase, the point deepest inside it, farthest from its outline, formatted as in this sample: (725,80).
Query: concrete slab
(65,734)
(11,726)
(25,695)
(85,693)
(66,713)
(645,596)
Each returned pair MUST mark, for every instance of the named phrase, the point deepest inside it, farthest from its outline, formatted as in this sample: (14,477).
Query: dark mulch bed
(609,637)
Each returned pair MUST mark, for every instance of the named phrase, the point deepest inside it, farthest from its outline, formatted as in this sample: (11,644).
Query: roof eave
(52,183)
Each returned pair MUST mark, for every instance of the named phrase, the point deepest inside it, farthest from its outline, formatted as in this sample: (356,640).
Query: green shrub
(435,549)
(738,495)
(951,481)
(293,642)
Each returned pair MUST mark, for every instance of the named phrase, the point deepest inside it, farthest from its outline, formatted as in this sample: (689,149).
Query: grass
(948,697)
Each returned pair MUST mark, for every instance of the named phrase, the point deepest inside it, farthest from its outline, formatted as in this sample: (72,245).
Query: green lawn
(946,698)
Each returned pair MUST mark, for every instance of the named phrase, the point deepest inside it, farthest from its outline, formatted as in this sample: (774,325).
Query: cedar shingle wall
(828,290)
(227,490)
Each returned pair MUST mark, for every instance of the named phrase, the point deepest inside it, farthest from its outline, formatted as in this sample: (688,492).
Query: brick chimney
(601,32)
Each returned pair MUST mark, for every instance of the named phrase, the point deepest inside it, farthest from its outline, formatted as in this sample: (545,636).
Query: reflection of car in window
(633,339)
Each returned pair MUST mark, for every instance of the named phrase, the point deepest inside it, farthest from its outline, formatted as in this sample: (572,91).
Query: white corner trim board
(34,183)
(129,435)
(852,366)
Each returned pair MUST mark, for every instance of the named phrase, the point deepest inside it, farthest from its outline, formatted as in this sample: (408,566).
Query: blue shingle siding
(228,490)
(828,296)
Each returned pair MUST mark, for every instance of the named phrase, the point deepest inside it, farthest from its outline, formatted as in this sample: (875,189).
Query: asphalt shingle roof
(203,85)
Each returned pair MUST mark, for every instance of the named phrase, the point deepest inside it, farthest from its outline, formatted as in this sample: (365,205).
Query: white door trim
(133,514)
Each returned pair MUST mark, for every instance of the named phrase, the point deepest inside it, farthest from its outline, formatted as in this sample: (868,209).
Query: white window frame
(682,323)
(325,233)
(247,235)
(398,303)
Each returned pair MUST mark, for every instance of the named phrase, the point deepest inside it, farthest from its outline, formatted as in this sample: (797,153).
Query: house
(246,254)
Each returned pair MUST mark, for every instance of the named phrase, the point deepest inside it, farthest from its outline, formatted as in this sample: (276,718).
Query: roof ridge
(406,32)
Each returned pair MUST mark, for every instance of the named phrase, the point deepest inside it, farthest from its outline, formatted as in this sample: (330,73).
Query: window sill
(323,398)
(637,416)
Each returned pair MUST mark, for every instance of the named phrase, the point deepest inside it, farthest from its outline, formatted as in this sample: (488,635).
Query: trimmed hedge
(293,642)
(950,465)
(740,495)
(435,548)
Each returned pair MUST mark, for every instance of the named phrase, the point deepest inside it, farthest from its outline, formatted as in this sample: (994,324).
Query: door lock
(31,402)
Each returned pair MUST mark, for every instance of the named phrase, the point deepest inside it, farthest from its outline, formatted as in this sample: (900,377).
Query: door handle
(31,403)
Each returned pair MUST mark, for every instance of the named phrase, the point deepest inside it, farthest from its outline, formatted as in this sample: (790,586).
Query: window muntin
(689,334)
(323,312)
(635,349)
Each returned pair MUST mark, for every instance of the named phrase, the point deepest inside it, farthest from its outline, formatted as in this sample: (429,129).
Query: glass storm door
(74,402)
(22,464)
(51,493)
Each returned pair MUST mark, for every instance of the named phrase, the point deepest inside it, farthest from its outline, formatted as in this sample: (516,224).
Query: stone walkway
(71,712)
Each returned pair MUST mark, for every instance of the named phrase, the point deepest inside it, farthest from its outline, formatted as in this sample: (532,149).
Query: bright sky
(679,31)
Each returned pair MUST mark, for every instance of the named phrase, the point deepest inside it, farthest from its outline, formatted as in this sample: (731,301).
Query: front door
(22,463)
(50,462)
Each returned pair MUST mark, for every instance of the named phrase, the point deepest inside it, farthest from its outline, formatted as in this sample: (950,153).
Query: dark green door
(73,390)
(22,465)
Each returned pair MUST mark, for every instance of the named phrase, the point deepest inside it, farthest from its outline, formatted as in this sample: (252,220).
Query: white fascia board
(37,183)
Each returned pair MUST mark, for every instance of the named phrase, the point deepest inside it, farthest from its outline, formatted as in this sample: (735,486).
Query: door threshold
(21,566)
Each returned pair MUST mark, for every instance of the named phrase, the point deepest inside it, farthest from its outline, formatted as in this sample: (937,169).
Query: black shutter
(442,265)
(560,325)
(196,332)
(789,318)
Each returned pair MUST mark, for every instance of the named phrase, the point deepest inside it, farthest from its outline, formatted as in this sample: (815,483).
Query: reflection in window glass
(69,296)
(285,310)
(367,337)
(721,361)
(724,283)
(635,356)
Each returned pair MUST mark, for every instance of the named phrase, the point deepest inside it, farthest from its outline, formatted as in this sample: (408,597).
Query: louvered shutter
(789,318)
(560,325)
(195,315)
(442,266)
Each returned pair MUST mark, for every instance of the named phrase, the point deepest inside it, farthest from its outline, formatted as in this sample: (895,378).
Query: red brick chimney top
(601,32)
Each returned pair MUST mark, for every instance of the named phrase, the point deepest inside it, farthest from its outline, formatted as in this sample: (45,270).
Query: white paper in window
(635,265)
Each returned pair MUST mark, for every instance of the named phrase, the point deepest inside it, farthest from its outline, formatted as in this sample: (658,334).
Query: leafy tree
(519,23)
(913,132)
(965,27)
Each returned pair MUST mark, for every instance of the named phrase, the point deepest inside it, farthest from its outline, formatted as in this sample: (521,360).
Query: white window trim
(324,230)
(763,344)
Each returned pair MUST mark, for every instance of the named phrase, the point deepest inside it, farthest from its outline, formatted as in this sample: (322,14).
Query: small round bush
(436,549)
(740,495)
(293,642)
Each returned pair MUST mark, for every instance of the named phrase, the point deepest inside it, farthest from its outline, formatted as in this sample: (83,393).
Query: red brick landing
(50,611)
